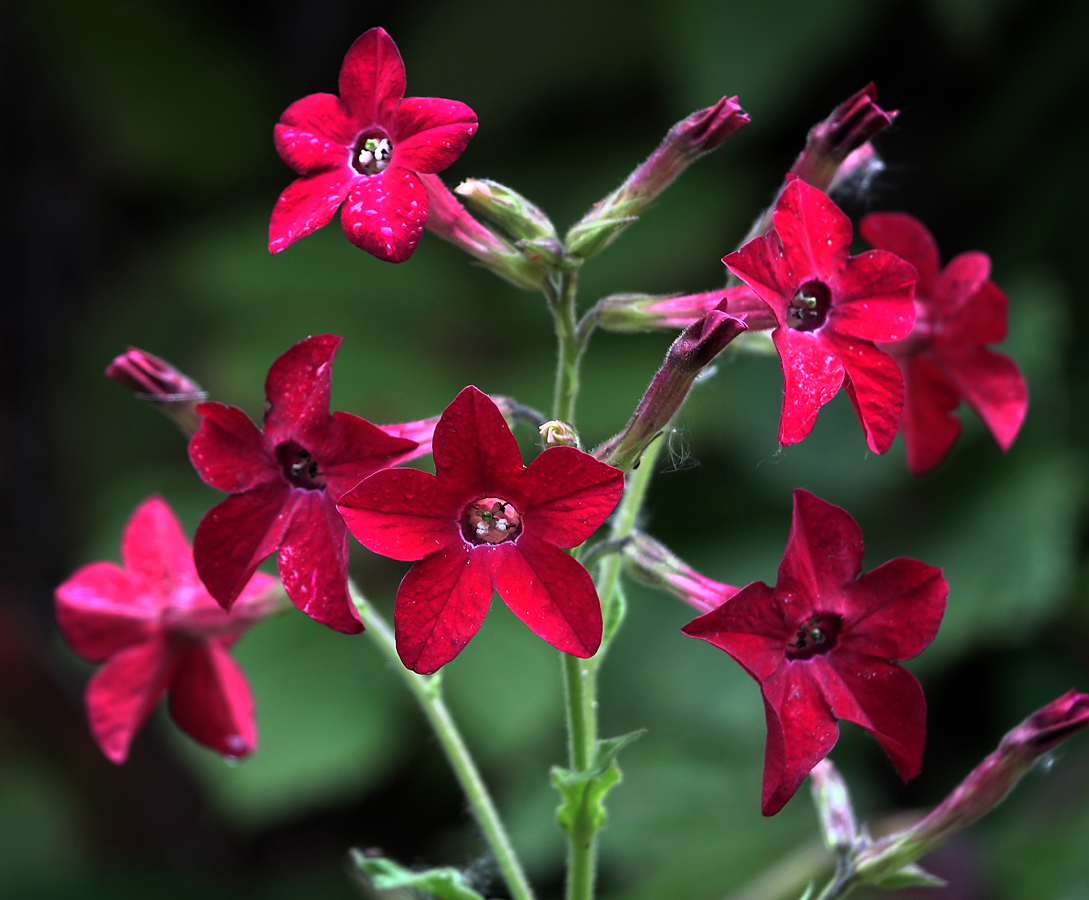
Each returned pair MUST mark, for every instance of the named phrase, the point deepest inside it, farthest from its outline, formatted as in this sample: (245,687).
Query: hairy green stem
(571,343)
(427,689)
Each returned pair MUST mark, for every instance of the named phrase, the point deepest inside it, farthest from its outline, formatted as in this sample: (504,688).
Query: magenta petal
(210,700)
(421,431)
(811,377)
(386,213)
(823,552)
(354,449)
(569,494)
(403,513)
(887,701)
(372,78)
(909,239)
(994,387)
(429,134)
(762,265)
(815,233)
(307,204)
(228,451)
(473,445)
(549,591)
(440,605)
(297,387)
(235,535)
(801,732)
(895,610)
(875,385)
(313,562)
(751,627)
(155,548)
(928,424)
(122,694)
(102,609)
(874,298)
(322,116)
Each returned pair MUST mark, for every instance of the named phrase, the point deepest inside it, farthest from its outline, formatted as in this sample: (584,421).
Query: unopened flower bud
(851,124)
(983,789)
(689,139)
(506,208)
(696,346)
(155,380)
(447,218)
(559,434)
(654,564)
(833,802)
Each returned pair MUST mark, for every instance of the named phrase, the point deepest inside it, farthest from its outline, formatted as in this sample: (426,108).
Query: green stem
(572,342)
(427,689)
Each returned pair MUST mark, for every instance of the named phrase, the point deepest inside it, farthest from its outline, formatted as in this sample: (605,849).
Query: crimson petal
(228,451)
(354,449)
(994,387)
(155,548)
(440,605)
(823,551)
(909,239)
(815,233)
(386,213)
(298,386)
(874,297)
(929,427)
(236,534)
(875,385)
(313,562)
(550,592)
(981,319)
(372,78)
(210,700)
(763,266)
(315,133)
(307,204)
(122,694)
(959,281)
(894,610)
(429,133)
(812,375)
(569,494)
(473,446)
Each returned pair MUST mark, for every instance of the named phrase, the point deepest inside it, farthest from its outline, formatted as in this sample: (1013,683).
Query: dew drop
(386,230)
(370,212)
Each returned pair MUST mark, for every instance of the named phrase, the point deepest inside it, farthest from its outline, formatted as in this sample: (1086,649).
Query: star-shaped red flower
(482,522)
(156,629)
(823,644)
(367,147)
(830,308)
(284,482)
(945,359)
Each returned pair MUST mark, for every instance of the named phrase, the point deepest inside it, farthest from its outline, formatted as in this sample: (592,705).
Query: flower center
(299,467)
(371,154)
(490,521)
(817,634)
(809,307)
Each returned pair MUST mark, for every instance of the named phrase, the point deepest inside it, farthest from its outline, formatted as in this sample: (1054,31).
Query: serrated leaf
(582,807)
(386,875)
(911,875)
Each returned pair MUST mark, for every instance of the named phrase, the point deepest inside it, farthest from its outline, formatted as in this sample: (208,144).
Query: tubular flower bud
(646,312)
(451,221)
(983,789)
(154,379)
(688,140)
(656,565)
(693,350)
(506,208)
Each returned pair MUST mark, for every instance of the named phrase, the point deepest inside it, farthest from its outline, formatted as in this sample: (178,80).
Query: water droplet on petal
(386,230)
(370,212)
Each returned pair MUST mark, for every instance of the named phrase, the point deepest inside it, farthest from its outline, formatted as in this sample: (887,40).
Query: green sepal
(386,875)
(809,891)
(588,238)
(911,875)
(614,615)
(549,251)
(581,807)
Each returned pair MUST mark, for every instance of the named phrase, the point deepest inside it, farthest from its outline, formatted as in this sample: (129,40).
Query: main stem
(571,345)
(427,690)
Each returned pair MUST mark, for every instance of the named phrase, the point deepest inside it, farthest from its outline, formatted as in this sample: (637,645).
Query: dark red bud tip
(706,129)
(1049,726)
(146,374)
(852,123)
(702,341)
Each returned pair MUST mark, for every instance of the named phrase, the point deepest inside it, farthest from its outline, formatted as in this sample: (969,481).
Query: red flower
(485,522)
(157,630)
(823,643)
(830,308)
(369,146)
(945,359)
(284,483)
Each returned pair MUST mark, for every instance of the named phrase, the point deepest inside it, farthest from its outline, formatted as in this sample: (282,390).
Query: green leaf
(614,615)
(911,875)
(583,793)
(386,875)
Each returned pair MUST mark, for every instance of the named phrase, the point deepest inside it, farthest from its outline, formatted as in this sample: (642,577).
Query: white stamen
(481,528)
(501,524)
(365,158)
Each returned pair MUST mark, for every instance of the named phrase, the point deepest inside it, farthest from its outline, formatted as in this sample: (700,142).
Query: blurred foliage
(160,112)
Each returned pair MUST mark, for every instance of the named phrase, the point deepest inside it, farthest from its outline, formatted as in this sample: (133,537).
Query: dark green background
(138,179)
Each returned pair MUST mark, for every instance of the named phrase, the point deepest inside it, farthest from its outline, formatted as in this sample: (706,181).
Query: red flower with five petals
(945,359)
(823,644)
(368,146)
(830,308)
(482,522)
(157,629)
(284,482)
